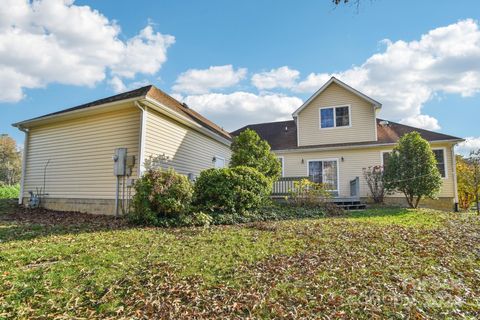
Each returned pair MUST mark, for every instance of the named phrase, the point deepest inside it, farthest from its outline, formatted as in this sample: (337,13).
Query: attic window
(332,117)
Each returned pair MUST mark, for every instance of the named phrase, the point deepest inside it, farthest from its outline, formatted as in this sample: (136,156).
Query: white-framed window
(440,156)
(335,117)
(219,162)
(282,163)
(324,171)
(385,155)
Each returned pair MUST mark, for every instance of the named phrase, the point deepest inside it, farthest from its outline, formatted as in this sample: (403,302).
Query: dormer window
(333,117)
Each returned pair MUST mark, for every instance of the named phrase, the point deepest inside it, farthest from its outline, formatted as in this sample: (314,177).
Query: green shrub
(161,195)
(306,193)
(249,150)
(237,190)
(199,219)
(412,170)
(9,192)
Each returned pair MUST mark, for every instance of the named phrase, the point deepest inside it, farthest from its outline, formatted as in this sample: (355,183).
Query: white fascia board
(86,110)
(373,145)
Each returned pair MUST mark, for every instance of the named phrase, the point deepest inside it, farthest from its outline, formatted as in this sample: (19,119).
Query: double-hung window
(333,117)
(441,163)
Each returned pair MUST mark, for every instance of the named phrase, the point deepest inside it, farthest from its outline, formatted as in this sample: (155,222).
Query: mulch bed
(40,216)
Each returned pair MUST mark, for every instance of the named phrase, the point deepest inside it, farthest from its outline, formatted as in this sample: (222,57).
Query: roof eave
(40,120)
(375,103)
(373,145)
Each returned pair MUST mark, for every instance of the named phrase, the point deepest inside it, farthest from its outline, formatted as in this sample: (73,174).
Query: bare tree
(10,160)
(474,161)
(337,2)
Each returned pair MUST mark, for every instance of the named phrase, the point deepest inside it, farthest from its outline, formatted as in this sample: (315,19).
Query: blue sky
(239,62)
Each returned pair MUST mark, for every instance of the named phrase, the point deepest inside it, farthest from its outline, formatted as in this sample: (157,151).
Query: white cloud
(144,53)
(470,144)
(312,83)
(240,108)
(118,85)
(283,77)
(200,81)
(408,74)
(422,121)
(48,41)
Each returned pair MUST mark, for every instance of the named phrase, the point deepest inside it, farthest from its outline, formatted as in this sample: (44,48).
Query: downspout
(24,164)
(454,171)
(143,131)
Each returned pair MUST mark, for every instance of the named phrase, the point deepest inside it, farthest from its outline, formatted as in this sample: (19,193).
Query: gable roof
(389,133)
(341,84)
(141,93)
(278,134)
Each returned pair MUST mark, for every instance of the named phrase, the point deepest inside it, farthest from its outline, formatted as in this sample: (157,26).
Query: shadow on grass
(379,212)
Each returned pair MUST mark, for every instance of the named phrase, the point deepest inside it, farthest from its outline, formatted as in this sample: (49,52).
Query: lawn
(393,263)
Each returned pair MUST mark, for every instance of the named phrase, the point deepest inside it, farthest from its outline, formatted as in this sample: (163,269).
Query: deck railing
(285,185)
(355,188)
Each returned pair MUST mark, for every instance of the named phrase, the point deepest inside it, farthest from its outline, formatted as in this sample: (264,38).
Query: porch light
(343,159)
(303,161)
(214,159)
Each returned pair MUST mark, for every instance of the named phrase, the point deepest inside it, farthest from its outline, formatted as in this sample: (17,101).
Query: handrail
(355,187)
(284,185)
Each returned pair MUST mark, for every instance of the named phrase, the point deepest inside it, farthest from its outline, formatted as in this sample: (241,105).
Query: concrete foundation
(94,206)
(107,206)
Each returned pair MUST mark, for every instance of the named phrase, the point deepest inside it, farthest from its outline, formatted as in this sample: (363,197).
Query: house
(336,133)
(86,158)
(68,154)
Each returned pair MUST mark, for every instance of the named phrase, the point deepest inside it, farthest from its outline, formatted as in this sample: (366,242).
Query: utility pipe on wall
(454,171)
(143,130)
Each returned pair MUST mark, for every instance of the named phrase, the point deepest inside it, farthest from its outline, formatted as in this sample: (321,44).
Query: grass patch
(374,263)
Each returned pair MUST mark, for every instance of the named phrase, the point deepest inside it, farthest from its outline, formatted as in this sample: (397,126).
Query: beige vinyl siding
(362,126)
(188,150)
(80,153)
(354,161)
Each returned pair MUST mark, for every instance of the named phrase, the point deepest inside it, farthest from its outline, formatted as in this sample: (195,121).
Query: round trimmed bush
(231,190)
(160,194)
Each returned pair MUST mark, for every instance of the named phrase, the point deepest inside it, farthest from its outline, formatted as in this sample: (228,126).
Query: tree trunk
(478,201)
(409,200)
(417,202)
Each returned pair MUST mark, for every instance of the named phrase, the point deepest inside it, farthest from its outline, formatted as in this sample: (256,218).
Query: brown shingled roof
(281,139)
(156,94)
(183,109)
(280,135)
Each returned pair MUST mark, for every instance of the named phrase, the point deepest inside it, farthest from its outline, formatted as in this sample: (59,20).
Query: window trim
(335,116)
(215,163)
(338,171)
(283,165)
(381,156)
(439,148)
(445,160)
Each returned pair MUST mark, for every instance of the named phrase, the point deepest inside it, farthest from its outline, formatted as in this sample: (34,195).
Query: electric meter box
(120,162)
